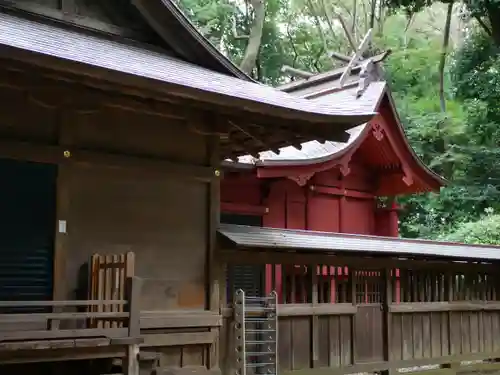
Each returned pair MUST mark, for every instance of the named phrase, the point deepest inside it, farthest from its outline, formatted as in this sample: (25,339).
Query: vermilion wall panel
(323,212)
(358,216)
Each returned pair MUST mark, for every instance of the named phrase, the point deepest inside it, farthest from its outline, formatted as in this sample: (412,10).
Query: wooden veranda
(352,304)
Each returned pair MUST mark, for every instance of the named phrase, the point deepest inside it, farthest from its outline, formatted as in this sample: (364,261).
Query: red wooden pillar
(275,218)
(388,226)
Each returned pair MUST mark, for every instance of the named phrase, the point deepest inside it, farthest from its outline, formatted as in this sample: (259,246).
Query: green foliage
(460,144)
(486,230)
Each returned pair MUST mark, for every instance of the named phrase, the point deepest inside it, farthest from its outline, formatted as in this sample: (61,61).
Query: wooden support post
(386,302)
(133,298)
(449,288)
(132,360)
(352,290)
(214,268)
(63,199)
(134,326)
(314,317)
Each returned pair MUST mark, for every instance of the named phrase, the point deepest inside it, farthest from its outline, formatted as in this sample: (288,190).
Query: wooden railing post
(314,318)
(134,325)
(134,308)
(386,302)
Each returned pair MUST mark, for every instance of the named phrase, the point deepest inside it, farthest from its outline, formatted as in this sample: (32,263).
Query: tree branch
(255,38)
(235,31)
(444,52)
(348,34)
(318,24)
(483,25)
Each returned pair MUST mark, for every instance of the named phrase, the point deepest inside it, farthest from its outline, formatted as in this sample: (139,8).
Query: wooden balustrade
(67,325)
(369,320)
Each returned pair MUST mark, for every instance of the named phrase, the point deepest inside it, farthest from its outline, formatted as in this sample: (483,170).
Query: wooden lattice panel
(107,281)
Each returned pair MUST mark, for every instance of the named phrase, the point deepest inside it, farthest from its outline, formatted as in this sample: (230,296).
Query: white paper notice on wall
(62,226)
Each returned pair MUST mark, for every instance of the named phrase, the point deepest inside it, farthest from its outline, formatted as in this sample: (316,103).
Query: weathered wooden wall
(157,218)
(133,177)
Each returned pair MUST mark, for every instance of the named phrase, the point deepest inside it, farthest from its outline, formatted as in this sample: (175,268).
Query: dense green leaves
(486,230)
(461,143)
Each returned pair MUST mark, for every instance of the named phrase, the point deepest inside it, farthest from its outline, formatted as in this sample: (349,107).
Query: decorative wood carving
(407,175)
(344,164)
(302,179)
(378,131)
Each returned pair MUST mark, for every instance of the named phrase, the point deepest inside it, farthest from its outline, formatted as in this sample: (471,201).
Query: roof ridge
(154,13)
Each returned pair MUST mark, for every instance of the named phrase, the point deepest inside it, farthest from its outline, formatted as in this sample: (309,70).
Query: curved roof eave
(272,160)
(313,152)
(355,140)
(440,181)
(170,23)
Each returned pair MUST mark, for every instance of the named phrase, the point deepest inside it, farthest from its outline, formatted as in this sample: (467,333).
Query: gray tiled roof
(314,151)
(286,239)
(118,56)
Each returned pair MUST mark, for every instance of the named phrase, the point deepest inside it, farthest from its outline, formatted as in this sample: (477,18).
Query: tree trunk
(444,52)
(494,28)
(317,22)
(255,37)
(447,167)
(373,9)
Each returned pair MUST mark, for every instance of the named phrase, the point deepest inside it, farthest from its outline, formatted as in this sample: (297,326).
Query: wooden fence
(366,320)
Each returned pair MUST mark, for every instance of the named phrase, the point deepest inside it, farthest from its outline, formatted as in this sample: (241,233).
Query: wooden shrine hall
(117,124)
(327,186)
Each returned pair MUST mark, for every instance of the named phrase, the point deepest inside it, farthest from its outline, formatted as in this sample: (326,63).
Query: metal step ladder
(256,331)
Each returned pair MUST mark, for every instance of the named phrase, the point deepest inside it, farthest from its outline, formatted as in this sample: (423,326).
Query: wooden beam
(66,155)
(214,270)
(339,56)
(277,256)
(244,209)
(419,307)
(307,309)
(296,72)
(99,94)
(179,319)
(340,192)
(400,364)
(178,339)
(356,57)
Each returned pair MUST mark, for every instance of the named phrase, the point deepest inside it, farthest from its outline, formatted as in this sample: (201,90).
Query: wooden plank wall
(420,335)
(373,320)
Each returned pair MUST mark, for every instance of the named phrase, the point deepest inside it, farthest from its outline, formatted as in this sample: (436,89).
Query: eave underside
(380,146)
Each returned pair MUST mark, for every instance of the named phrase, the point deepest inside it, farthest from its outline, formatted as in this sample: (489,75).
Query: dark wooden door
(369,318)
(27,216)
(249,278)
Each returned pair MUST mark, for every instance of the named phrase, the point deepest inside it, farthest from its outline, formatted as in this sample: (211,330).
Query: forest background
(443,73)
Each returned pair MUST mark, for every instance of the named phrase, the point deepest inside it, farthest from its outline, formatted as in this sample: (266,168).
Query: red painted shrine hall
(326,186)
